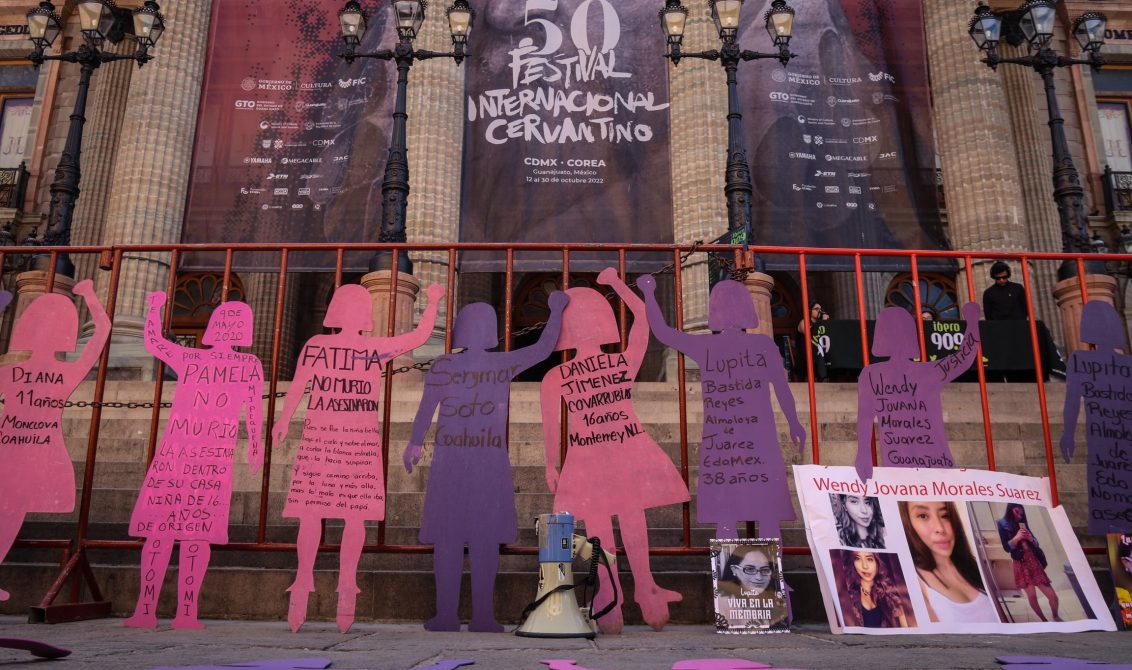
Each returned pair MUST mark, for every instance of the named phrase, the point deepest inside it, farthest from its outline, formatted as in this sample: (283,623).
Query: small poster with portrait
(749,591)
(945,551)
(1120,560)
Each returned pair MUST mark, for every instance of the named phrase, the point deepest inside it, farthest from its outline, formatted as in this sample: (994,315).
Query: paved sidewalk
(107,644)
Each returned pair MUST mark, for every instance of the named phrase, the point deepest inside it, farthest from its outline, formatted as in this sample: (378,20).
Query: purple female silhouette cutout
(37,475)
(338,472)
(187,492)
(469,498)
(903,396)
(612,465)
(742,473)
(1102,377)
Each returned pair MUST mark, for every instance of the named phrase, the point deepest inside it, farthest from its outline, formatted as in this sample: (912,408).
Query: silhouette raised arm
(163,349)
(665,334)
(537,352)
(433,394)
(638,340)
(952,366)
(403,344)
(93,348)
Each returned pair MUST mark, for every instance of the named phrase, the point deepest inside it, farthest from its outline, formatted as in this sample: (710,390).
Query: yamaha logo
(799,154)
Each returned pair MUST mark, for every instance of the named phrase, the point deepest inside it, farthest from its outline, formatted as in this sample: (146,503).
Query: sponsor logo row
(831,101)
(249,84)
(783,76)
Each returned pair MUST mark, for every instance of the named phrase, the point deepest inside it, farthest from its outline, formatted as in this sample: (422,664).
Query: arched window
(937,293)
(196,295)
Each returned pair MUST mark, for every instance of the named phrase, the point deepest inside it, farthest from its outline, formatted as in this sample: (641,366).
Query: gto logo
(245,104)
(779,96)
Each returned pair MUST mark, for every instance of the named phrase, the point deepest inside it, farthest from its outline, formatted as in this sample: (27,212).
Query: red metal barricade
(75,549)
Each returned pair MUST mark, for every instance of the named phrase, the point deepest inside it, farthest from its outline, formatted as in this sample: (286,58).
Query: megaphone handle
(599,555)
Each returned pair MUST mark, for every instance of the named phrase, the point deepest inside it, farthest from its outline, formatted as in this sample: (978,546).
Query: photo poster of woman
(1120,560)
(945,551)
(749,590)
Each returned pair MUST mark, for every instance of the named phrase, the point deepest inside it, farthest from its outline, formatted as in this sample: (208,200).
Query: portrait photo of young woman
(871,589)
(948,573)
(859,520)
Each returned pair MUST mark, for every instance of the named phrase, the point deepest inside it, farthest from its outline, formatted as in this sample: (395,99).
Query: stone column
(152,176)
(379,285)
(1035,167)
(976,142)
(106,110)
(698,94)
(1101,288)
(760,285)
(262,290)
(436,145)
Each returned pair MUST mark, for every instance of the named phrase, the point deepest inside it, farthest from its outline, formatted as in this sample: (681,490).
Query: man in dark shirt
(1004,299)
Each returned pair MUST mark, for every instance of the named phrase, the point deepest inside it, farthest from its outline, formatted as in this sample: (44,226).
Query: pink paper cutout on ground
(719,664)
(470,496)
(37,473)
(612,467)
(1103,377)
(187,492)
(338,472)
(38,649)
(563,664)
(738,370)
(903,396)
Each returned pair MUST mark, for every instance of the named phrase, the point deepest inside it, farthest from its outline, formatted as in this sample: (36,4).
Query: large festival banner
(567,127)
(945,551)
(291,140)
(840,141)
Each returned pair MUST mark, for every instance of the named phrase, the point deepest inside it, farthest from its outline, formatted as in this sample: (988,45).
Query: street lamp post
(99,21)
(410,14)
(779,22)
(1036,19)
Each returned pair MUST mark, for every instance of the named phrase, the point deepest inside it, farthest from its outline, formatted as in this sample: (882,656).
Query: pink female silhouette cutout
(903,396)
(187,492)
(737,370)
(470,496)
(612,468)
(37,473)
(1102,377)
(338,472)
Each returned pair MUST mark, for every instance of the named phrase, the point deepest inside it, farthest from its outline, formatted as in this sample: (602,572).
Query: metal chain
(424,366)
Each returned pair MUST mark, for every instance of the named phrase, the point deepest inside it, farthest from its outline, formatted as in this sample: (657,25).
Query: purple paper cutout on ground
(35,648)
(37,473)
(903,396)
(613,467)
(187,492)
(742,473)
(1102,377)
(469,498)
(1056,663)
(338,472)
(718,663)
